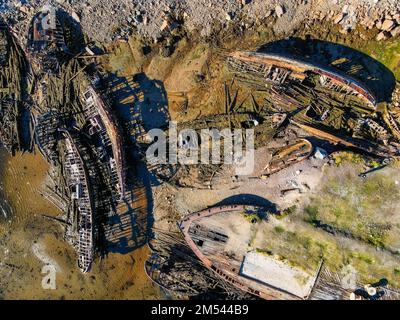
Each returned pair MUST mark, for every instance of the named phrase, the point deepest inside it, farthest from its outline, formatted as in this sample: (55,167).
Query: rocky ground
(105,20)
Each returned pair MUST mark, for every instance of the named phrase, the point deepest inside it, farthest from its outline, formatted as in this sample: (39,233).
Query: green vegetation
(312,213)
(254,217)
(303,251)
(386,52)
(347,157)
(279,229)
(264,251)
(362,210)
(361,207)
(198,51)
(287,212)
(306,249)
(251,217)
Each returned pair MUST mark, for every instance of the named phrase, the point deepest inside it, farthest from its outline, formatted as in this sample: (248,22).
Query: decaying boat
(359,133)
(289,155)
(223,248)
(46,133)
(101,124)
(83,209)
(3,43)
(221,121)
(274,68)
(12,64)
(46,41)
(264,127)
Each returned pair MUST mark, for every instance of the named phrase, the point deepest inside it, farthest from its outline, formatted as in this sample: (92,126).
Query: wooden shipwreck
(278,69)
(101,123)
(320,99)
(46,45)
(12,69)
(83,209)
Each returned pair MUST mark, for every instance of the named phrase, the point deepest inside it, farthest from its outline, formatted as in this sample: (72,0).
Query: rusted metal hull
(235,279)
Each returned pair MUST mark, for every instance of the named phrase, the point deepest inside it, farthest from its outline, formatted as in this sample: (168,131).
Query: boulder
(229,16)
(320,153)
(387,25)
(279,11)
(395,32)
(75,16)
(339,17)
(381,36)
(164,25)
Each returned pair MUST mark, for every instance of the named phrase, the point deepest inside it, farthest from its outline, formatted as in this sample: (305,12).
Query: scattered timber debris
(321,100)
(12,74)
(77,134)
(279,69)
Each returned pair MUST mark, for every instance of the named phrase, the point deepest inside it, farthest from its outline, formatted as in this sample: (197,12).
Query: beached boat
(219,237)
(46,41)
(101,124)
(12,63)
(278,69)
(82,201)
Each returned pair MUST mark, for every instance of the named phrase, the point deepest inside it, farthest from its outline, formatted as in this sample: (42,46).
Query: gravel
(105,20)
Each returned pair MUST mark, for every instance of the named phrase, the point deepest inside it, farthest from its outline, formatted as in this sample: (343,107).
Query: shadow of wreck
(140,104)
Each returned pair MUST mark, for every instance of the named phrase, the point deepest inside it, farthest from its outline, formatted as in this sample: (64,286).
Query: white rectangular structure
(275,273)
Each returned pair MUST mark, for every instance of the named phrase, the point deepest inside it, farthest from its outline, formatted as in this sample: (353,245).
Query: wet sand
(28,241)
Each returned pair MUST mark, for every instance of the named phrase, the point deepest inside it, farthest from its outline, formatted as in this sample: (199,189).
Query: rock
(229,16)
(199,77)
(279,11)
(166,51)
(164,25)
(320,153)
(338,18)
(24,9)
(387,25)
(381,36)
(75,16)
(395,32)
